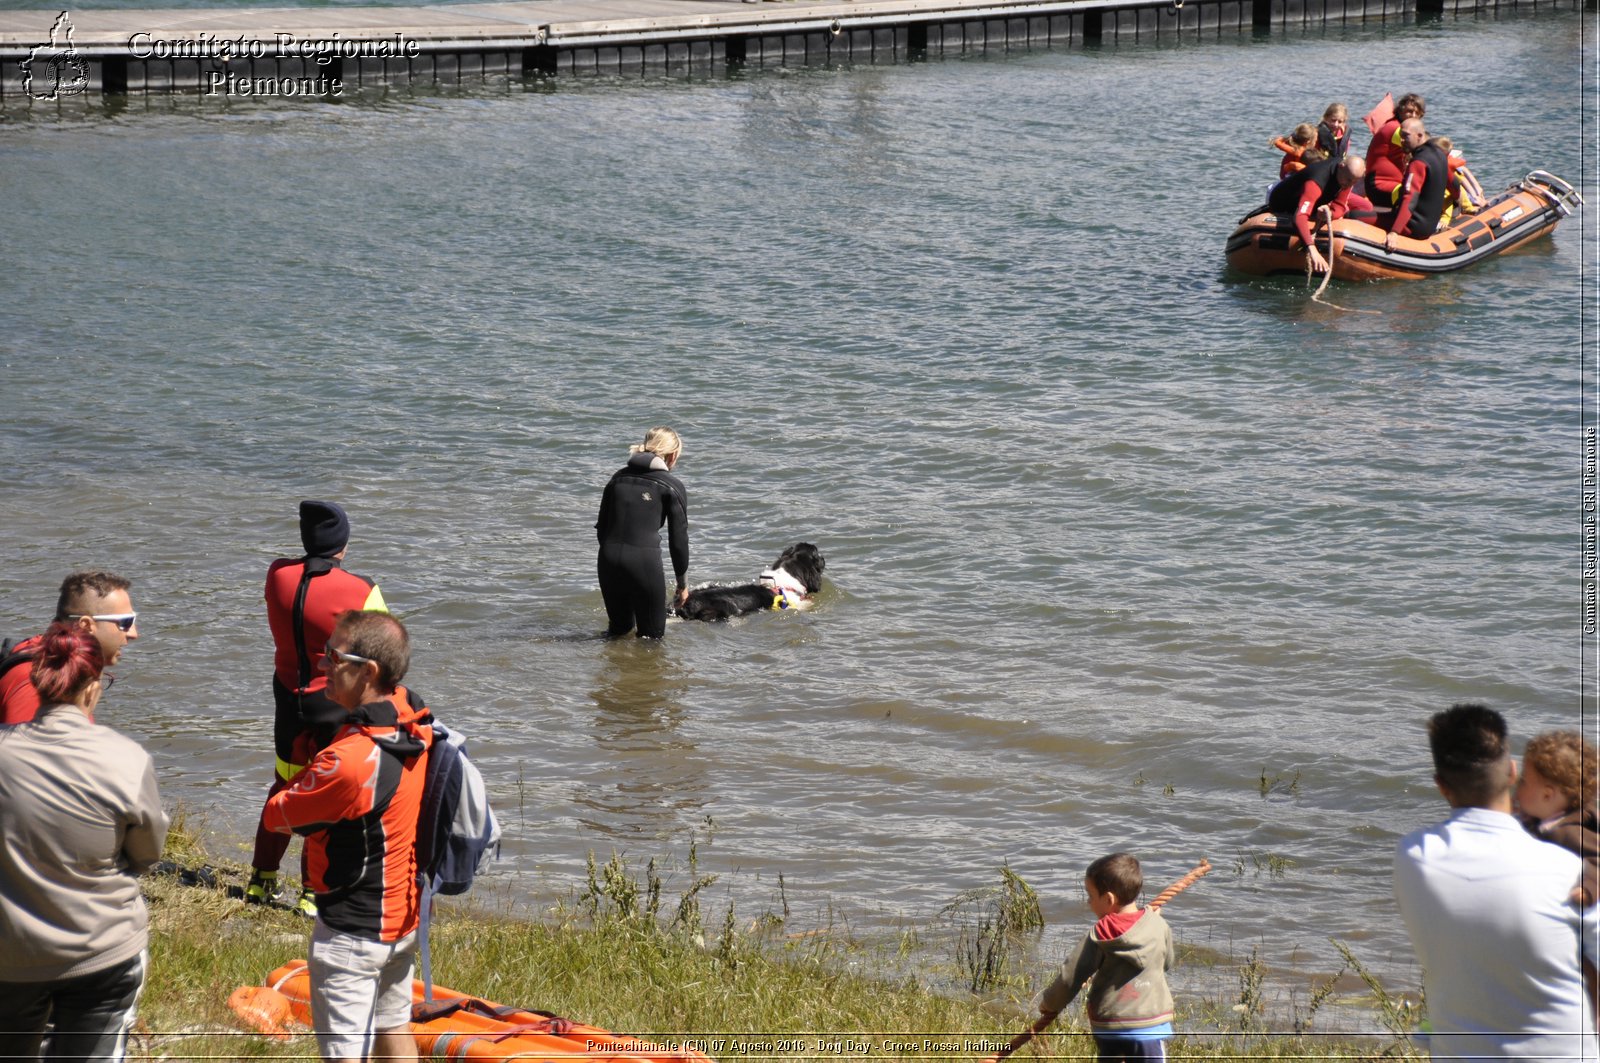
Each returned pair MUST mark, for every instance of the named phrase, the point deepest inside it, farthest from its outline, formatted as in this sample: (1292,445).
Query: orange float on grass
(457,1026)
(262,1009)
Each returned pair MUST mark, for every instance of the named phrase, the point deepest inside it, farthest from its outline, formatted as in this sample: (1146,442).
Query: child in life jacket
(1294,147)
(1333,132)
(1462,193)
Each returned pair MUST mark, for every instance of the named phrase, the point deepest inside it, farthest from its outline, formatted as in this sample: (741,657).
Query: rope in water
(1316,296)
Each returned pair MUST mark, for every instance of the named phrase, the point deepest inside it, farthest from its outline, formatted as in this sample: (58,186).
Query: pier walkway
(50,54)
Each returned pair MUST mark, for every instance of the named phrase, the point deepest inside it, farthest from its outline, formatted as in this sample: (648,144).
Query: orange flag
(1380,114)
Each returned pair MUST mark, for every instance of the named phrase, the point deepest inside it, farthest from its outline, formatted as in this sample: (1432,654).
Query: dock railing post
(331,66)
(539,61)
(916,41)
(114,75)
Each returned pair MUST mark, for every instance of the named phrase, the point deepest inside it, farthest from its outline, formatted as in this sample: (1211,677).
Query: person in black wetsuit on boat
(641,497)
(1422,192)
(1322,184)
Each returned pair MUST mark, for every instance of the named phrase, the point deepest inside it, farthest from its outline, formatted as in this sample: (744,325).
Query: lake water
(1116,541)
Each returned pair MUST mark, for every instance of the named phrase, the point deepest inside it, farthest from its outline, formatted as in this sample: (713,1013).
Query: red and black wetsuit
(637,501)
(303,598)
(1386,159)
(356,805)
(1422,198)
(1305,193)
(19,699)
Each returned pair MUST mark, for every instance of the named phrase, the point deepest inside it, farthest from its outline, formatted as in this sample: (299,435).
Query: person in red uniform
(303,598)
(357,805)
(1322,184)
(1386,155)
(1422,193)
(96,602)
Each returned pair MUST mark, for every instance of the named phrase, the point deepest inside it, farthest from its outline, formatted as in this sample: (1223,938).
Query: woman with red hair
(80,818)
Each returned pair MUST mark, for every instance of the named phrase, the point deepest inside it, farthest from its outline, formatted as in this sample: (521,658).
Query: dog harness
(787,592)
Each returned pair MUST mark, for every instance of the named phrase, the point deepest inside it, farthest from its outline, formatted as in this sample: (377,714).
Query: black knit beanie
(324,528)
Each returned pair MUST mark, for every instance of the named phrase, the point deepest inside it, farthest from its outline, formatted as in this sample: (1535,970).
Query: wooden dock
(51,55)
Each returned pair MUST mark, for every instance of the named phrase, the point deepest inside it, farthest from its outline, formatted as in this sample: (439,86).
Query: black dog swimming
(788,584)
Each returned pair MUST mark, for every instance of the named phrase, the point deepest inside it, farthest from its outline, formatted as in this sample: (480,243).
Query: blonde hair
(659,441)
(1304,133)
(1568,762)
(1446,145)
(1336,110)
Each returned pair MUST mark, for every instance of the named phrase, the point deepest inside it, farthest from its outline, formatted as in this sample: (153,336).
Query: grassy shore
(625,953)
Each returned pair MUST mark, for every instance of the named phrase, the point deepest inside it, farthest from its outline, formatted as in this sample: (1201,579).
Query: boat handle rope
(1562,196)
(551,1022)
(546,1027)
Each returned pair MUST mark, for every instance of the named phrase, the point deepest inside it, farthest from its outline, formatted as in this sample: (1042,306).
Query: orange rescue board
(1267,243)
(457,1026)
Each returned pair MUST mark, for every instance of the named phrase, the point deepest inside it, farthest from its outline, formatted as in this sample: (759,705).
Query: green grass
(623,954)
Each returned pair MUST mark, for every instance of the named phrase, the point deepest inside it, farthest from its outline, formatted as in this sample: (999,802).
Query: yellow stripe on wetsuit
(374,603)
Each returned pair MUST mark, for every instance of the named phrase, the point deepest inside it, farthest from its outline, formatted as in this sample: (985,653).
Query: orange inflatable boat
(1266,243)
(455,1026)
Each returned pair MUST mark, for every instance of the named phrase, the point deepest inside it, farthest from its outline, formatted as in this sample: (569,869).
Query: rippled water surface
(1115,539)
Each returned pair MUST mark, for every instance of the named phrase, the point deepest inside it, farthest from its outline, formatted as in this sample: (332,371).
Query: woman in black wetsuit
(641,497)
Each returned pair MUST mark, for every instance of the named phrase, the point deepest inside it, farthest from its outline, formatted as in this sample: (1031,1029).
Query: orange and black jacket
(357,804)
(303,598)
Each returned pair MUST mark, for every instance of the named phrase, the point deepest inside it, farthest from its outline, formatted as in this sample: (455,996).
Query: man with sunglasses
(96,602)
(303,597)
(357,806)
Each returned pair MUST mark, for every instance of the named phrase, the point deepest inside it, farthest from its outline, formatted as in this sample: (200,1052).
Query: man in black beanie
(304,596)
(324,529)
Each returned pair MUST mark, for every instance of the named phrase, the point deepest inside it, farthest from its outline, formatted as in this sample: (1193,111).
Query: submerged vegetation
(1277,783)
(631,951)
(991,923)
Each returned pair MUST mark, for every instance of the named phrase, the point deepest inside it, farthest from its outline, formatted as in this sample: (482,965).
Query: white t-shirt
(1486,906)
